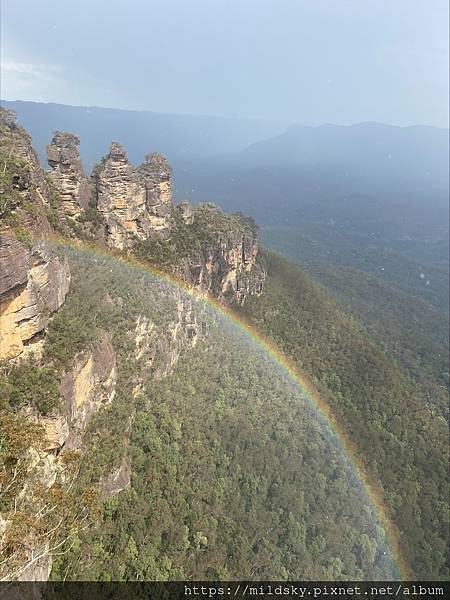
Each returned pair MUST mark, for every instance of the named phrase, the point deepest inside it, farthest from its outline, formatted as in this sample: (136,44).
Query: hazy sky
(302,61)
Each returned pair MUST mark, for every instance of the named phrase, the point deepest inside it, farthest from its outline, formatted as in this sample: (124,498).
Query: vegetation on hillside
(210,226)
(234,474)
(397,290)
(403,444)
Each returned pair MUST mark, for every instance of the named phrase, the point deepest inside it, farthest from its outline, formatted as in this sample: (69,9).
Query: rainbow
(373,489)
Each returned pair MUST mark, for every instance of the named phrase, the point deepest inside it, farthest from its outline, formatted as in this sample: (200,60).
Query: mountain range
(147,433)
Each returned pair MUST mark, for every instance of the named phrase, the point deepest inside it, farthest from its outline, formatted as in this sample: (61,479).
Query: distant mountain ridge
(363,150)
(179,137)
(369,178)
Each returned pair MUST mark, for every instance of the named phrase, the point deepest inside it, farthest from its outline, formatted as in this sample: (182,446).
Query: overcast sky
(299,61)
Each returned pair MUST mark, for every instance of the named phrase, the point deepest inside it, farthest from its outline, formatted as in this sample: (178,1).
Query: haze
(294,61)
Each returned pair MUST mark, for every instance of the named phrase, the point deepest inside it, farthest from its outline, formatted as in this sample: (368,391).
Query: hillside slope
(403,443)
(146,436)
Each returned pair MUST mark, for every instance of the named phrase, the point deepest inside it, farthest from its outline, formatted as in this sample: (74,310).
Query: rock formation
(226,263)
(89,385)
(33,285)
(186,213)
(121,206)
(135,203)
(117,481)
(67,173)
(214,252)
(34,280)
(156,174)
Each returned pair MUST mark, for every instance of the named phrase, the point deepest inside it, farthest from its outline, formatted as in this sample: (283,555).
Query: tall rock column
(136,203)
(156,173)
(67,173)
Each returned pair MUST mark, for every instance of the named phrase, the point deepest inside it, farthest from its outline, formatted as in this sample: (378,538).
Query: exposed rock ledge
(89,385)
(117,481)
(33,285)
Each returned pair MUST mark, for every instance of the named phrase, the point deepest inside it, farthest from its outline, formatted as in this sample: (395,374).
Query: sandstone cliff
(88,386)
(68,174)
(33,285)
(34,280)
(226,263)
(126,208)
(214,252)
(136,203)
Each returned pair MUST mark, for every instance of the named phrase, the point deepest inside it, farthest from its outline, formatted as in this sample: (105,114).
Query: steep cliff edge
(68,174)
(71,354)
(33,285)
(214,252)
(34,280)
(127,208)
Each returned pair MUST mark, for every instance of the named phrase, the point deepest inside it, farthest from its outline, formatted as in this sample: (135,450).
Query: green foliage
(18,187)
(232,476)
(43,515)
(53,210)
(397,290)
(12,169)
(91,215)
(24,237)
(26,384)
(233,473)
(419,269)
(209,227)
(17,435)
(403,444)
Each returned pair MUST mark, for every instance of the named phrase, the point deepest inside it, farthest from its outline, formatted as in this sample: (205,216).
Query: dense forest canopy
(235,473)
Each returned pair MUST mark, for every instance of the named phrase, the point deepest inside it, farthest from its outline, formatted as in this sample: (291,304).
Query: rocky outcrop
(186,213)
(226,263)
(135,203)
(34,280)
(117,481)
(34,284)
(27,195)
(219,256)
(215,253)
(67,173)
(158,351)
(14,258)
(211,251)
(87,387)
(156,173)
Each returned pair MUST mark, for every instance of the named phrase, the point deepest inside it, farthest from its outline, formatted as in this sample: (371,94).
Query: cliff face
(157,351)
(124,206)
(213,252)
(33,285)
(135,203)
(155,173)
(90,385)
(132,210)
(68,174)
(34,281)
(85,389)
(226,264)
